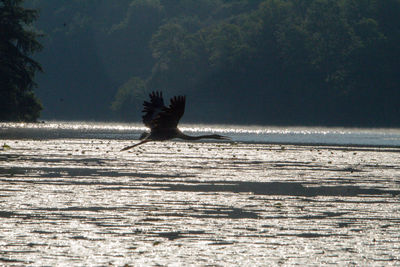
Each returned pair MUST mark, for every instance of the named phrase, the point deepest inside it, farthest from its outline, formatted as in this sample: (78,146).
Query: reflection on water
(252,134)
(69,197)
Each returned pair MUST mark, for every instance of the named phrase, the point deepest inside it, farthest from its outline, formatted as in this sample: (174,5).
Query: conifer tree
(18,41)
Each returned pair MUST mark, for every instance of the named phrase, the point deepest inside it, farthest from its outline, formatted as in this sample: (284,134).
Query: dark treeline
(314,62)
(18,41)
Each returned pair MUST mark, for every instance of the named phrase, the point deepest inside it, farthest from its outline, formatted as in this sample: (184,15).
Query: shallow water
(69,197)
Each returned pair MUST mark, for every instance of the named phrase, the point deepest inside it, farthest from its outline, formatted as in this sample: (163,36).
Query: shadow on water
(274,188)
(178,182)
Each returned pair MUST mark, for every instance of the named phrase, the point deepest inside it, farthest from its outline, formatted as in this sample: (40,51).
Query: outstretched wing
(152,109)
(169,116)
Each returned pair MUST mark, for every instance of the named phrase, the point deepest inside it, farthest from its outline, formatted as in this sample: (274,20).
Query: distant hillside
(290,62)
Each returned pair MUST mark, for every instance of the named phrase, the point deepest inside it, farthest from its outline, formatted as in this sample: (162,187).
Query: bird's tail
(132,146)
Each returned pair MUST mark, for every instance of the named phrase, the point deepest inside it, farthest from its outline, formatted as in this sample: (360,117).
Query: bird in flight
(163,121)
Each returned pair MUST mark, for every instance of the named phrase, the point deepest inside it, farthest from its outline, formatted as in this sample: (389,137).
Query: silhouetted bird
(163,121)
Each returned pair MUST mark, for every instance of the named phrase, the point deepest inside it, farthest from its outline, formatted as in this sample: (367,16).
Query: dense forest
(18,41)
(282,62)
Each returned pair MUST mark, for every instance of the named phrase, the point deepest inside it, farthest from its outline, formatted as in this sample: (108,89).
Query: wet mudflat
(81,202)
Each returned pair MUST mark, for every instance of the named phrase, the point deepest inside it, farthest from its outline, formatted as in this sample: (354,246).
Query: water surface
(254,134)
(272,196)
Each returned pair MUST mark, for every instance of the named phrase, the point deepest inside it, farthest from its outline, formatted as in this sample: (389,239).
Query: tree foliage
(17,68)
(319,62)
(129,96)
(289,62)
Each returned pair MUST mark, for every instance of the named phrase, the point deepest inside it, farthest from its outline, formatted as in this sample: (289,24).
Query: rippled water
(277,196)
(250,134)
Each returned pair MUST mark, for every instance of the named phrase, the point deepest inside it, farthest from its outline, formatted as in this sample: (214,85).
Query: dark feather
(169,116)
(152,108)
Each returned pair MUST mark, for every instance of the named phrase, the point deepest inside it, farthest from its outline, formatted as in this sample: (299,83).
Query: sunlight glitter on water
(200,204)
(255,134)
(69,197)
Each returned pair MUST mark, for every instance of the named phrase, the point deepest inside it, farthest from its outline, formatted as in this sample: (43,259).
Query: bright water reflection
(69,197)
(252,134)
